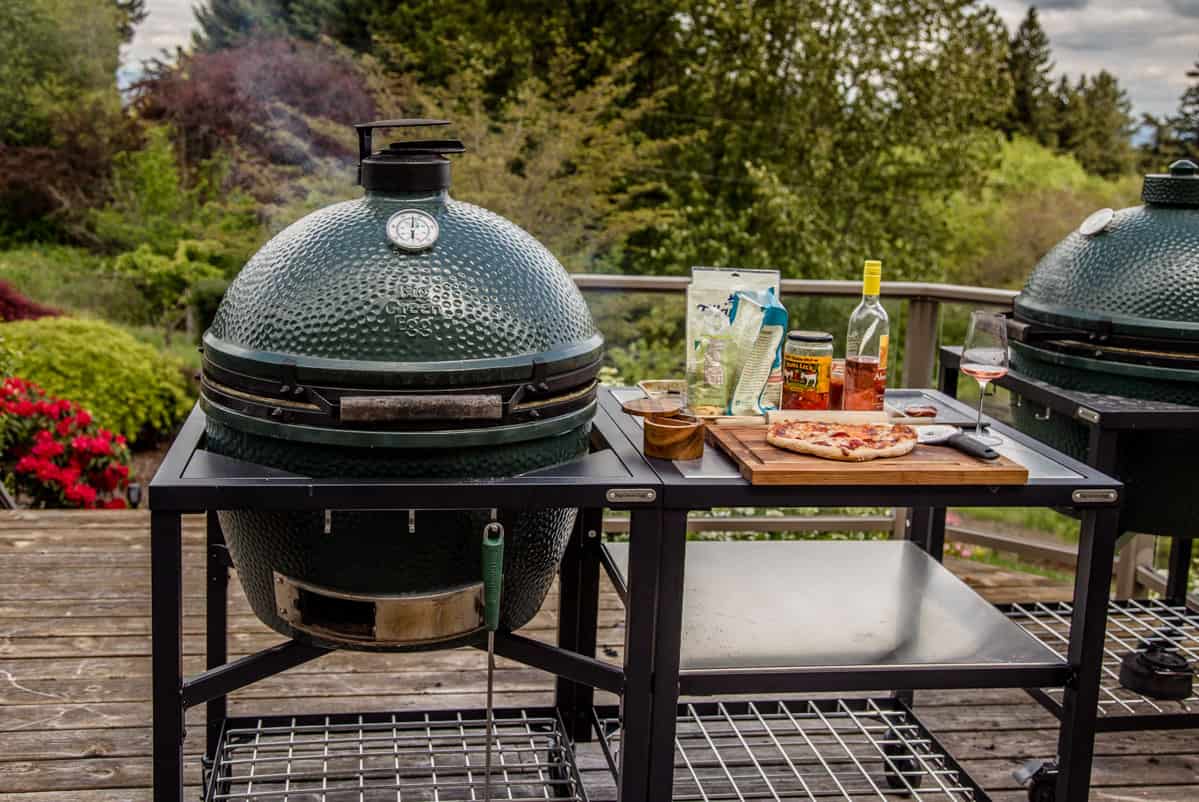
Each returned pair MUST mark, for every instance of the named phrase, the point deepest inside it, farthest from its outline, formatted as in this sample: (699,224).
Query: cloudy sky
(1148,44)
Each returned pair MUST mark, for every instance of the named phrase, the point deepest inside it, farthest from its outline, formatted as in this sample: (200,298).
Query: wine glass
(985,357)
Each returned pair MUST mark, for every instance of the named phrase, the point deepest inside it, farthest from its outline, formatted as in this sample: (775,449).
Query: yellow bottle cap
(872,277)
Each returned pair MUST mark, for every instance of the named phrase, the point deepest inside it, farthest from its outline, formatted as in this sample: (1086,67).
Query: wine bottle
(866,345)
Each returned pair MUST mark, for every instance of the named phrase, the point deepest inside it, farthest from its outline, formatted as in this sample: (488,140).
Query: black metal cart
(1132,622)
(800,618)
(428,753)
(703,619)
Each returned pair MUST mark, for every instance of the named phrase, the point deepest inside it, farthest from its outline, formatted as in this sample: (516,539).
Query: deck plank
(75,674)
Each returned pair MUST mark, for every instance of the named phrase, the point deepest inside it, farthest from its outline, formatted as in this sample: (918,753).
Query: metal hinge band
(632,495)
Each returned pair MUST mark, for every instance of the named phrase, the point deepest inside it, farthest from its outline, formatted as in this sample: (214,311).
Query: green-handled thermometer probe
(493,585)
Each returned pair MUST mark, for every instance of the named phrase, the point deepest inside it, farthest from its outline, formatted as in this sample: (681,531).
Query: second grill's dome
(1132,272)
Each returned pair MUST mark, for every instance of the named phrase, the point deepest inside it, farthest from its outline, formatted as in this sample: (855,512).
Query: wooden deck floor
(75,675)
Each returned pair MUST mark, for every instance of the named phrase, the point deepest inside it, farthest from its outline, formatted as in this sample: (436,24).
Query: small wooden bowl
(679,436)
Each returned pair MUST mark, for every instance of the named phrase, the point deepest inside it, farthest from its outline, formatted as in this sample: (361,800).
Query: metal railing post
(920,342)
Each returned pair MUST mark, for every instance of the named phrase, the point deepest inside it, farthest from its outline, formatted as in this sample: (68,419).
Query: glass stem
(982,393)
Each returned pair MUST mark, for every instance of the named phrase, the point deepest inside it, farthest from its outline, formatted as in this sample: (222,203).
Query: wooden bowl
(679,436)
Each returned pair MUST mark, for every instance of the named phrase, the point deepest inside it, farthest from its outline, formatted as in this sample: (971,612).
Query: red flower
(81,493)
(24,408)
(63,427)
(46,449)
(27,464)
(83,417)
(114,504)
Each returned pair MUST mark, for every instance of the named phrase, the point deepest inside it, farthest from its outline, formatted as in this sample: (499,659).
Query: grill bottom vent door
(380,620)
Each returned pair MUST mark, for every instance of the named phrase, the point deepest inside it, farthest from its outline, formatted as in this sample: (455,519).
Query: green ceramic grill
(400,335)
(1114,309)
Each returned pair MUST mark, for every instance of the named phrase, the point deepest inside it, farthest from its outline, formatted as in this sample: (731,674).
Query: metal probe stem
(490,716)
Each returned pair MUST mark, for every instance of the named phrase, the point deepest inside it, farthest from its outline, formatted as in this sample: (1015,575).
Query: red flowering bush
(15,306)
(55,453)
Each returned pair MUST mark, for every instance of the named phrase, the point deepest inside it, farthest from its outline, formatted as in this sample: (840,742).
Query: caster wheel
(902,771)
(1040,778)
(1043,789)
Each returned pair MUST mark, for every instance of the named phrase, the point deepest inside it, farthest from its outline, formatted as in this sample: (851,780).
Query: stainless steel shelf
(765,610)
(1129,623)
(394,756)
(843,749)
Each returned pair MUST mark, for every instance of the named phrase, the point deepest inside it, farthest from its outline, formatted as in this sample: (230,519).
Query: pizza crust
(846,443)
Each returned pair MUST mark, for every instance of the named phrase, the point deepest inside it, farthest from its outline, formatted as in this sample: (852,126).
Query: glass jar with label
(807,368)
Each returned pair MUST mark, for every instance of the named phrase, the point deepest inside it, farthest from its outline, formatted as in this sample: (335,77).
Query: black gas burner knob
(1157,671)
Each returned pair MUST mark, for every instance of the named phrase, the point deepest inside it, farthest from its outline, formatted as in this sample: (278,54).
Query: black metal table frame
(650,681)
(1103,444)
(1094,495)
(173,493)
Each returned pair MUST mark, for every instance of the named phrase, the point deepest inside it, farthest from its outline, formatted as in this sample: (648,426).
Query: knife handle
(968,445)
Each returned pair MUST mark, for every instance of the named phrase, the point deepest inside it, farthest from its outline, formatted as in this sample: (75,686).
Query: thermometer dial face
(412,230)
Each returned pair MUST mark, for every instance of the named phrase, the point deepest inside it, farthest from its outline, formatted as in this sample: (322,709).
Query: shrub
(130,386)
(55,455)
(15,306)
(202,303)
(241,94)
(155,203)
(165,282)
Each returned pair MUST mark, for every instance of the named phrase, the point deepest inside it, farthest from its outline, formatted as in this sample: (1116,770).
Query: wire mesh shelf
(397,757)
(1130,623)
(821,749)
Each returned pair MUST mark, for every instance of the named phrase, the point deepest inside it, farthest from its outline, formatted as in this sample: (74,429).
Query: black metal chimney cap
(409,166)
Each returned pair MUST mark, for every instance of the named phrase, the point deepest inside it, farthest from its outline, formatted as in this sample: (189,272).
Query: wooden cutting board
(764,464)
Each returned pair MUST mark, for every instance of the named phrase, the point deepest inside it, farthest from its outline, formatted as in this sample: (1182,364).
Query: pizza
(840,441)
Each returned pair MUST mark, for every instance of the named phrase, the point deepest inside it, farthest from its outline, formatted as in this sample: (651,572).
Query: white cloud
(168,25)
(1148,44)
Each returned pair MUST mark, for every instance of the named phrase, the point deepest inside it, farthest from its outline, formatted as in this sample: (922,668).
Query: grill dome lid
(1132,272)
(403,291)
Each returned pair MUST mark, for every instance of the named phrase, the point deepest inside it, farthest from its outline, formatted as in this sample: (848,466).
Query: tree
(133,13)
(230,23)
(1095,124)
(1187,121)
(1030,65)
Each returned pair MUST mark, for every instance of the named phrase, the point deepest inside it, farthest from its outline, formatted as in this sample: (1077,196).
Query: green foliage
(203,299)
(72,279)
(228,23)
(153,206)
(165,282)
(130,386)
(1187,121)
(1030,65)
(1095,125)
(823,133)
(1027,204)
(559,162)
(53,53)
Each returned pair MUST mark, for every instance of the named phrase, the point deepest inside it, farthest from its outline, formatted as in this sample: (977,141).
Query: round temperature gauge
(412,229)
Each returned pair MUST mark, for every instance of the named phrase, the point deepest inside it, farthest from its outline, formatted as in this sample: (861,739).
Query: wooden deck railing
(921,332)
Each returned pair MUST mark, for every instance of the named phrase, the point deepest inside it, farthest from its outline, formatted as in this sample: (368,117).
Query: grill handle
(393,408)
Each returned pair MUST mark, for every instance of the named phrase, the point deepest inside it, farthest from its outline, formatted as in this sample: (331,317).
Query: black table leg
(926,528)
(578,618)
(216,627)
(947,378)
(1179,572)
(1092,589)
(668,638)
(636,703)
(166,589)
